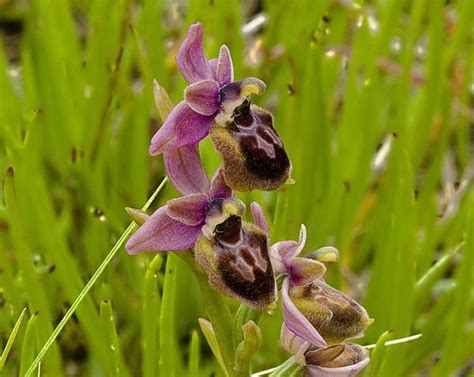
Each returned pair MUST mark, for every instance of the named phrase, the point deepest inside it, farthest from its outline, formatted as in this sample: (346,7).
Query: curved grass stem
(90,284)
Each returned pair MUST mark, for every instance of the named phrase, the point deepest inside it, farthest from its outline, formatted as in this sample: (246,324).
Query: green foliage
(343,78)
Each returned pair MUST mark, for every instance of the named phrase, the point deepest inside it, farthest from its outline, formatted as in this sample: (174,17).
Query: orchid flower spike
(313,310)
(235,255)
(253,154)
(343,359)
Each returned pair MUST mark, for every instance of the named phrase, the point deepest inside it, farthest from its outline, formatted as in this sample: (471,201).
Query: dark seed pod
(235,256)
(252,153)
(334,314)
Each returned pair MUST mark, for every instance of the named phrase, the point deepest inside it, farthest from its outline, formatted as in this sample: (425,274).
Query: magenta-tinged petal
(290,249)
(219,189)
(225,68)
(191,61)
(293,344)
(347,371)
(182,127)
(185,171)
(296,321)
(259,217)
(161,233)
(203,97)
(189,210)
(213,64)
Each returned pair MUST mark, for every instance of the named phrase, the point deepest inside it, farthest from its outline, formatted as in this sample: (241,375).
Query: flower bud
(334,314)
(345,359)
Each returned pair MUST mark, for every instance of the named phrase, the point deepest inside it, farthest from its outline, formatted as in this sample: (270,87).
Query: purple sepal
(182,127)
(296,321)
(219,189)
(190,209)
(191,60)
(185,171)
(203,97)
(162,233)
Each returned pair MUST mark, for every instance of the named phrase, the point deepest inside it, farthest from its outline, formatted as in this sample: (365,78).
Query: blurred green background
(374,101)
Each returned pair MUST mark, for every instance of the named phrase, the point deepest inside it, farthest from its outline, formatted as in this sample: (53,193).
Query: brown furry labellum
(334,314)
(253,155)
(235,256)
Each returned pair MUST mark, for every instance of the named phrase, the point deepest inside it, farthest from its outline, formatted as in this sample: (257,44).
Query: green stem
(218,311)
(90,284)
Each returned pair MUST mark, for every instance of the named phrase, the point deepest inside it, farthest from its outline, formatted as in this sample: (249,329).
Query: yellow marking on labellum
(251,89)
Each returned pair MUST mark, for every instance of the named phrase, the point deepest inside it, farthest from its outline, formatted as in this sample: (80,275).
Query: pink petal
(296,321)
(213,64)
(348,371)
(189,210)
(219,189)
(190,59)
(203,97)
(161,233)
(290,249)
(259,217)
(224,69)
(185,171)
(293,344)
(182,127)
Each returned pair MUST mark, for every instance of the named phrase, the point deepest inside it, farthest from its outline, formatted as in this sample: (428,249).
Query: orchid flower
(177,225)
(235,255)
(210,91)
(312,309)
(343,359)
(252,152)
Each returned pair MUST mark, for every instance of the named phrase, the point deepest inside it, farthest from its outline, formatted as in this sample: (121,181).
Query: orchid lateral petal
(203,97)
(189,210)
(162,233)
(224,69)
(259,217)
(296,321)
(219,189)
(185,171)
(190,58)
(182,127)
(286,250)
(303,271)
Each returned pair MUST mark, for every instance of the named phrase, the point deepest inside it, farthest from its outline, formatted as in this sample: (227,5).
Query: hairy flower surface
(235,255)
(253,154)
